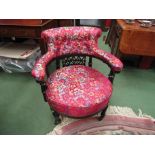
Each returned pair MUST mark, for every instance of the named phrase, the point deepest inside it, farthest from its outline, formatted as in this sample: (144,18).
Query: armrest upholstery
(39,69)
(113,62)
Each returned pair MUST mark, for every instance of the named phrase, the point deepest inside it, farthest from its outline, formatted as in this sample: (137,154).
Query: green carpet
(23,111)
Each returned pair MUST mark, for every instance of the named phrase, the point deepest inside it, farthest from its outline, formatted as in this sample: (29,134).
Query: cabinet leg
(146,62)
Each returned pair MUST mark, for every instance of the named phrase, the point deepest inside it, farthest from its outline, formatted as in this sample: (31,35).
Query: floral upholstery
(75,90)
(72,40)
(78,91)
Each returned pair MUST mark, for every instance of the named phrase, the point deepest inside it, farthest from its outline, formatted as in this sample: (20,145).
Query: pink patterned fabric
(78,91)
(73,40)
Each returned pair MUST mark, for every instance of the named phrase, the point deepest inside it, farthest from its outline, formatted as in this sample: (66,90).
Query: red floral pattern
(78,91)
(73,40)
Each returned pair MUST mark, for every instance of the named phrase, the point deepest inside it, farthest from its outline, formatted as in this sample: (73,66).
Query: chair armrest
(39,69)
(113,62)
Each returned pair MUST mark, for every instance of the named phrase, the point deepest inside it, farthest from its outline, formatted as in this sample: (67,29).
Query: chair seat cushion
(78,91)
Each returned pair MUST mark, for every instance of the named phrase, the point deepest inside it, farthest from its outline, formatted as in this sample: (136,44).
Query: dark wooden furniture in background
(26,28)
(132,39)
(65,22)
(91,22)
(30,28)
(113,37)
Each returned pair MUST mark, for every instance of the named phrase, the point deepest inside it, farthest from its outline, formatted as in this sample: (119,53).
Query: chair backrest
(71,40)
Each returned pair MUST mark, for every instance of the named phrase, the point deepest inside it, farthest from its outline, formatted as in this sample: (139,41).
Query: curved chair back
(69,41)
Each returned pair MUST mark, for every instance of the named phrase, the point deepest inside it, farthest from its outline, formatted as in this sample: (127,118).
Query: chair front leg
(56,117)
(103,113)
(43,89)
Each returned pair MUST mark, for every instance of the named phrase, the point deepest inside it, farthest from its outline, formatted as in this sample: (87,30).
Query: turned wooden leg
(57,118)
(102,114)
